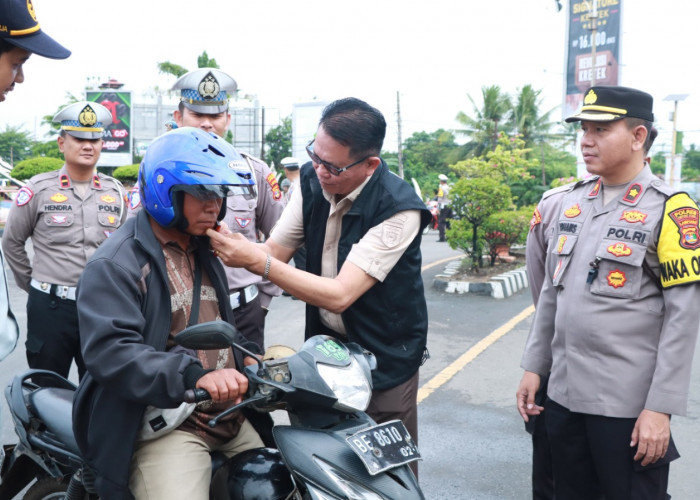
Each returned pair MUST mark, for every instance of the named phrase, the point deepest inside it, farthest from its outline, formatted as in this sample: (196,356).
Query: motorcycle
(46,450)
(330,450)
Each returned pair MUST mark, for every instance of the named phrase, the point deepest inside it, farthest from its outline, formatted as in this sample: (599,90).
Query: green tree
(473,201)
(278,142)
(528,123)
(170,68)
(690,166)
(15,144)
(203,61)
(484,126)
(46,148)
(47,120)
(507,163)
(30,167)
(425,156)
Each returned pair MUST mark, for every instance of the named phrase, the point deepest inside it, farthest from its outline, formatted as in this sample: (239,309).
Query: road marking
(441,261)
(451,370)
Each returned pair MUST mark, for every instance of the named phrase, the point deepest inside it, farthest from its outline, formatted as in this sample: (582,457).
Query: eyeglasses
(329,166)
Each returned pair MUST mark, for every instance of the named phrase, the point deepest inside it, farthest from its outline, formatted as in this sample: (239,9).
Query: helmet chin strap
(180,221)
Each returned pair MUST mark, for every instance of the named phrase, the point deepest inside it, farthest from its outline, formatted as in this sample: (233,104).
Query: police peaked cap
(205,90)
(290,163)
(606,104)
(19,26)
(84,119)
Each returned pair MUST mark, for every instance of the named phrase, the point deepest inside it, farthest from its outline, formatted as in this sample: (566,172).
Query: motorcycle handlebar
(196,396)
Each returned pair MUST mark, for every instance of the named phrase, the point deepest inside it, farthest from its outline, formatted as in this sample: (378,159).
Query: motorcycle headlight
(349,384)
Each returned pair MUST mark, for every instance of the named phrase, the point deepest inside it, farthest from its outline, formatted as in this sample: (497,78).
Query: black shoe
(286,294)
(442,241)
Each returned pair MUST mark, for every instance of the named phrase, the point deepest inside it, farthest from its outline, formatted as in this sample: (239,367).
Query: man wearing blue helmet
(148,282)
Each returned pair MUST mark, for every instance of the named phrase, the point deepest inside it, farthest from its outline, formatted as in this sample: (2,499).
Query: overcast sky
(433,53)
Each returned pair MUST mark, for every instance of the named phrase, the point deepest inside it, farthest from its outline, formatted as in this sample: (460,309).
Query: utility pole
(594,30)
(262,146)
(398,118)
(673,172)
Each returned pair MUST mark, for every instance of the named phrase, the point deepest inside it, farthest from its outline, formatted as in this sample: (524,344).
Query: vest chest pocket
(562,248)
(620,269)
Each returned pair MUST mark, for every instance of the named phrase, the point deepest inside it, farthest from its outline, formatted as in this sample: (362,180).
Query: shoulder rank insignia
(96,182)
(596,189)
(619,249)
(58,198)
(617,278)
(572,212)
(633,193)
(634,216)
(272,181)
(536,218)
(679,241)
(23,196)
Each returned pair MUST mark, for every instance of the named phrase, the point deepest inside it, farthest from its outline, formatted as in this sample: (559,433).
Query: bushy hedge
(127,174)
(28,168)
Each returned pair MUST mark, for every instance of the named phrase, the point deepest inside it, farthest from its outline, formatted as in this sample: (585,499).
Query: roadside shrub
(128,174)
(28,168)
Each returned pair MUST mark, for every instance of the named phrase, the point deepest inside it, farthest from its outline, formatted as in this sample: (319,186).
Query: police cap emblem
(209,87)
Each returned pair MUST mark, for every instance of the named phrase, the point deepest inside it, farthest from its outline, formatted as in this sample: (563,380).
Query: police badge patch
(23,196)
(209,87)
(243,223)
(679,241)
(391,232)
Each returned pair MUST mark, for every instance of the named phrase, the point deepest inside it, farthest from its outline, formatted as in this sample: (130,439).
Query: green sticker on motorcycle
(331,349)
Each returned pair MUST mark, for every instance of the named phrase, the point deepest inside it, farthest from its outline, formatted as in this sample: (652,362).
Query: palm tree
(532,127)
(486,124)
(527,121)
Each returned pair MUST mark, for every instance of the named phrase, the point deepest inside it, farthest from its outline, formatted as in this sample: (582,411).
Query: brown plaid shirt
(180,267)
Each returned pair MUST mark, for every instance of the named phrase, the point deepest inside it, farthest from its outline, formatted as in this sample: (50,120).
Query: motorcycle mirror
(210,335)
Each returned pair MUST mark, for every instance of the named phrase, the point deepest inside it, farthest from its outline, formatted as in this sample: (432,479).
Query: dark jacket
(391,318)
(124,312)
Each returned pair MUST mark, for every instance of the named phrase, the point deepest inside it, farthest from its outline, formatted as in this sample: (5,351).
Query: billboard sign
(582,69)
(116,150)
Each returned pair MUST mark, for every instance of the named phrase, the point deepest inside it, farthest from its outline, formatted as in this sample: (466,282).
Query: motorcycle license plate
(384,446)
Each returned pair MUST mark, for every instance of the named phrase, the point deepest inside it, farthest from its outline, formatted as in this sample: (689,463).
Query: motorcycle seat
(54,406)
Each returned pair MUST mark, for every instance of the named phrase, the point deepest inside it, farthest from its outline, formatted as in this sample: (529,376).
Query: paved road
(471,438)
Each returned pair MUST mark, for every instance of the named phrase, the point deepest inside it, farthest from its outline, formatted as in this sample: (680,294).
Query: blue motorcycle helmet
(190,160)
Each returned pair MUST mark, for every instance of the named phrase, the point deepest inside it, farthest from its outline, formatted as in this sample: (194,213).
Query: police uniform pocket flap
(108,220)
(59,219)
(564,244)
(624,252)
